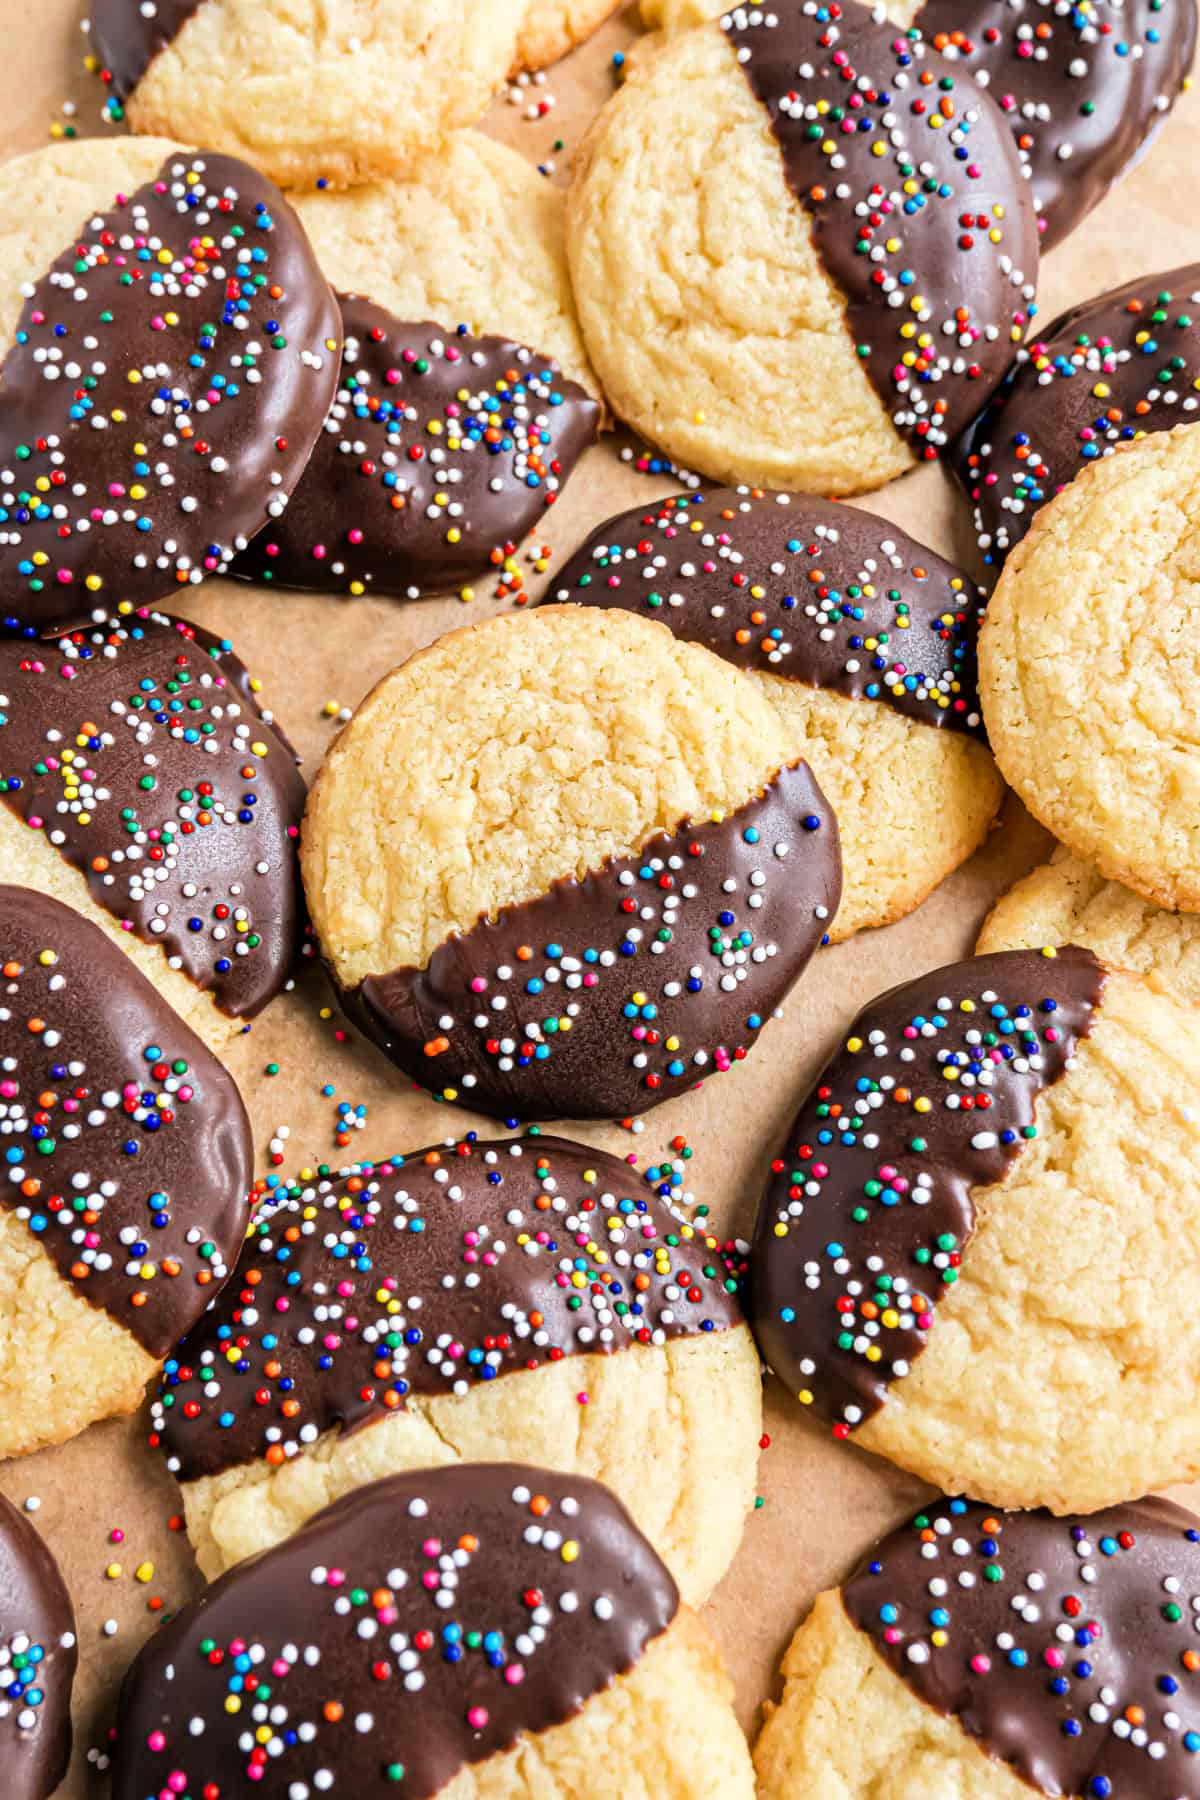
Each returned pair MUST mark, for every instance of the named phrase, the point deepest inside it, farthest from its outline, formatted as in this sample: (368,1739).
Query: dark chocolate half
(440,454)
(1108,371)
(422,1624)
(127,1150)
(138,749)
(822,594)
(607,995)
(127,35)
(38,1655)
(428,1274)
(1082,86)
(920,212)
(869,1209)
(1065,1647)
(169,377)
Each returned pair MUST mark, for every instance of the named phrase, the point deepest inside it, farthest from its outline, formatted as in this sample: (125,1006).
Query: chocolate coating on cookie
(1083,86)
(127,1147)
(1108,371)
(419,1625)
(137,748)
(609,994)
(38,1655)
(869,1210)
(128,34)
(170,374)
(1064,1647)
(443,1269)
(822,594)
(933,243)
(441,452)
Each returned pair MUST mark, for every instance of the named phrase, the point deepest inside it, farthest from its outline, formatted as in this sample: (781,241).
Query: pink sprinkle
(477,1717)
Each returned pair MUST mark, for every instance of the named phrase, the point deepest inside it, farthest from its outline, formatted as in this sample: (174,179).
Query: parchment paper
(822,1504)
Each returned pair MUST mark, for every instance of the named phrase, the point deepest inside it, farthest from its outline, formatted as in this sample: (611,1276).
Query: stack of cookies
(313,349)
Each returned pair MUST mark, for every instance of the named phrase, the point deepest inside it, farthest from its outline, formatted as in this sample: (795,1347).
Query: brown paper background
(823,1504)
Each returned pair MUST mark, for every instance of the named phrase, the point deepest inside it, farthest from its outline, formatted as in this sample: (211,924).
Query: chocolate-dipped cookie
(961,1249)
(465,401)
(1104,373)
(126,1164)
(308,95)
(459,1304)
(861,638)
(1084,88)
(143,784)
(38,1655)
(492,1621)
(1068,901)
(803,247)
(562,864)
(442,451)
(1010,1652)
(170,351)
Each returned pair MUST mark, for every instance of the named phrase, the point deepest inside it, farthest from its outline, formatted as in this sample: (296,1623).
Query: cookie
(1069,902)
(962,1251)
(303,94)
(1083,88)
(982,1655)
(562,865)
(862,639)
(774,302)
(1116,368)
(523,1299)
(170,352)
(449,437)
(143,784)
(38,1654)
(127,1162)
(553,27)
(1086,672)
(473,1632)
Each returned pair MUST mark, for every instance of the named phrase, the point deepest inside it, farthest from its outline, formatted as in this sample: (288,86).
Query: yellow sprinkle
(569,1551)
(854,1045)
(144,1572)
